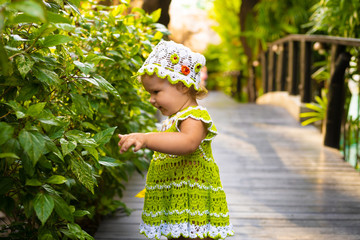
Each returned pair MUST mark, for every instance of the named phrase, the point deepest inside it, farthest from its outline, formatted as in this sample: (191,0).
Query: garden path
(281,183)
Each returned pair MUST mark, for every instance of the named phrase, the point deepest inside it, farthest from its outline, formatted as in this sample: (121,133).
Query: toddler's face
(164,96)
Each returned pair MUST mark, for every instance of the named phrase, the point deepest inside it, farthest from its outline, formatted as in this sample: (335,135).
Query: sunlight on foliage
(319,109)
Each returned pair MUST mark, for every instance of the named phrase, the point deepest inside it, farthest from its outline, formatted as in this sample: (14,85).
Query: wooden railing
(287,66)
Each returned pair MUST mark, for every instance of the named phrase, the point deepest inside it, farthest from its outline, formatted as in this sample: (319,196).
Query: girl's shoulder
(199,113)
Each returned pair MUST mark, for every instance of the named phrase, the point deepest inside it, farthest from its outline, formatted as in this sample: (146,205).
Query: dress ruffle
(186,230)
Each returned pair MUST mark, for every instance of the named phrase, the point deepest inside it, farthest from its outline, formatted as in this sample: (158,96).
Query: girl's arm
(192,132)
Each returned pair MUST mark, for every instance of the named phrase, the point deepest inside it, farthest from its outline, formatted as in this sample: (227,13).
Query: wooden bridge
(281,182)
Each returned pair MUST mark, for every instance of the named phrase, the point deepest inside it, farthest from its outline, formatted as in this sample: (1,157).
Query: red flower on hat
(185,70)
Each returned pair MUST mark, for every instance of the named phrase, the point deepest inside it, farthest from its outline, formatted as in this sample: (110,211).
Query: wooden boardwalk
(281,183)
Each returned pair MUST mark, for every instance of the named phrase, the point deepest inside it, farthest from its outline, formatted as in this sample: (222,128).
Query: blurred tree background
(245,28)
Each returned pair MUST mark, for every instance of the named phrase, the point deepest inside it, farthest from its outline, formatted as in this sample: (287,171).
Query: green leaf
(45,234)
(24,18)
(83,173)
(82,138)
(43,205)
(56,179)
(9,155)
(310,120)
(93,152)
(27,92)
(158,35)
(6,183)
(84,67)
(57,18)
(27,163)
(81,213)
(135,50)
(96,58)
(51,147)
(6,132)
(74,4)
(75,232)
(20,114)
(31,8)
(33,143)
(66,27)
(109,162)
(35,109)
(104,136)
(106,86)
(24,65)
(33,182)
(60,3)
(63,209)
(50,190)
(4,60)
(67,146)
(56,39)
(314,107)
(47,76)
(310,114)
(155,15)
(82,105)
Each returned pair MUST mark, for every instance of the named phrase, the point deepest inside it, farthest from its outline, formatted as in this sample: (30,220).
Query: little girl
(184,198)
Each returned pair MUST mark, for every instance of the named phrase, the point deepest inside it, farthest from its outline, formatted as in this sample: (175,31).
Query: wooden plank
(281,183)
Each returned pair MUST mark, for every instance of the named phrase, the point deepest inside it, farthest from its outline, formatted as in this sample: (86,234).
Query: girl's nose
(152,100)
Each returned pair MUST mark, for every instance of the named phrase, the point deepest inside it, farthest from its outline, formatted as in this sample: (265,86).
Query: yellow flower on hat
(174,58)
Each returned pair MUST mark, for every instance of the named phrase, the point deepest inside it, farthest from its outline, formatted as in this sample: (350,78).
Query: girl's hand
(134,139)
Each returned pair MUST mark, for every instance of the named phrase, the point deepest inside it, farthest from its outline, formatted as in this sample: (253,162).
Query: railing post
(293,69)
(336,97)
(264,70)
(305,71)
(272,70)
(281,68)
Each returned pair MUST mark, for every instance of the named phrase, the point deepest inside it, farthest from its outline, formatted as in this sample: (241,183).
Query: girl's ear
(182,88)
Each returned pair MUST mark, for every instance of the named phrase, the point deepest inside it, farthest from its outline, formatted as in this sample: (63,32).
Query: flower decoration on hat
(198,67)
(185,70)
(174,58)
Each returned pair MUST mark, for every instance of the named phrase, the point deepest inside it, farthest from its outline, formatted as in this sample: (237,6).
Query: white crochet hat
(176,62)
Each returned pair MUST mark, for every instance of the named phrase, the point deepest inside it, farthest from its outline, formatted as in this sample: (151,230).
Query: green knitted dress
(184,195)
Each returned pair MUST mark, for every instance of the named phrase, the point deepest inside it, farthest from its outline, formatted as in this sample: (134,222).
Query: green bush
(66,87)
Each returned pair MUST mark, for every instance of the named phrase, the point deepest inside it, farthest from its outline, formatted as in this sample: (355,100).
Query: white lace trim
(172,76)
(177,212)
(162,156)
(204,154)
(173,184)
(185,229)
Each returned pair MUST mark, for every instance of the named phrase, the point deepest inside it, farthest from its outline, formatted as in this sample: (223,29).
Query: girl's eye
(155,92)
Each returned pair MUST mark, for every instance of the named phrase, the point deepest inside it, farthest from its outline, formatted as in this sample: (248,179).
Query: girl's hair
(202,93)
